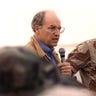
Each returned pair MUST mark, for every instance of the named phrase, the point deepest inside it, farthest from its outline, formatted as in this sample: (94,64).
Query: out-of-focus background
(77,16)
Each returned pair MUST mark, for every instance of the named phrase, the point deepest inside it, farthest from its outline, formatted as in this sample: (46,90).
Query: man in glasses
(47,28)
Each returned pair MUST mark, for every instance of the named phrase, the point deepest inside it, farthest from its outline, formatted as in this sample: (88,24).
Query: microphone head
(62,52)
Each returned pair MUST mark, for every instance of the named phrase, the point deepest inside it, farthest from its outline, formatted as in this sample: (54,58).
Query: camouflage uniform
(83,59)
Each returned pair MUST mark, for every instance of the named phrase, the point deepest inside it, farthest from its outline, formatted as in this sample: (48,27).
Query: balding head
(42,17)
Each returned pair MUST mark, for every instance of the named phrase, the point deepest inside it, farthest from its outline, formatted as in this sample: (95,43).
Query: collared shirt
(48,51)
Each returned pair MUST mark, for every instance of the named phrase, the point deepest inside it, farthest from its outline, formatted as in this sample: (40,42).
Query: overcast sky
(77,16)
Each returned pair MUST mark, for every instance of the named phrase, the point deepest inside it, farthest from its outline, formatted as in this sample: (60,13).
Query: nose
(57,32)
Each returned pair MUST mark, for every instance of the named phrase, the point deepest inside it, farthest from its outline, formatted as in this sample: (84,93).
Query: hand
(65,68)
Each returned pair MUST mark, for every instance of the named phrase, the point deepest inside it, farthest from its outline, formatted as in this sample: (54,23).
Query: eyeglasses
(54,28)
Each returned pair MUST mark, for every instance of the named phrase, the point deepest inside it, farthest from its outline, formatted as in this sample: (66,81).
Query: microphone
(62,54)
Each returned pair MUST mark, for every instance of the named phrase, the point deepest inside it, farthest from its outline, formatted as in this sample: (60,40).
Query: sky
(77,16)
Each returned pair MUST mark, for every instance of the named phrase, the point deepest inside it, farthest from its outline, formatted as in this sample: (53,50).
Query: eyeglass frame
(53,28)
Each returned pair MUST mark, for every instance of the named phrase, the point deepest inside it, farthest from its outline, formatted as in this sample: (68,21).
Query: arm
(75,60)
(78,57)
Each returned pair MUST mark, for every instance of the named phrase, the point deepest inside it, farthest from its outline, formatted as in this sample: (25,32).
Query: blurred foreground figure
(60,90)
(83,59)
(24,74)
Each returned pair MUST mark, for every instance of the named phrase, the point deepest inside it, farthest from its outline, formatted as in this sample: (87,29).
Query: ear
(37,28)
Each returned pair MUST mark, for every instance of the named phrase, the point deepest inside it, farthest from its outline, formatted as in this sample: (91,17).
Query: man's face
(49,32)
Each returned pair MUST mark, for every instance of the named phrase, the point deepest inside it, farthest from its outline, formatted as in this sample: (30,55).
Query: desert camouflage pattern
(83,59)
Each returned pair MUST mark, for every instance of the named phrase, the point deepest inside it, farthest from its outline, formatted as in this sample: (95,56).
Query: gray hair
(37,19)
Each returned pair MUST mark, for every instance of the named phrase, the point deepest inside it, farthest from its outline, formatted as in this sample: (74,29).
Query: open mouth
(55,40)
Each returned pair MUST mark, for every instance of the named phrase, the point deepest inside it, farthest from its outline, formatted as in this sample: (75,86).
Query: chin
(54,45)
